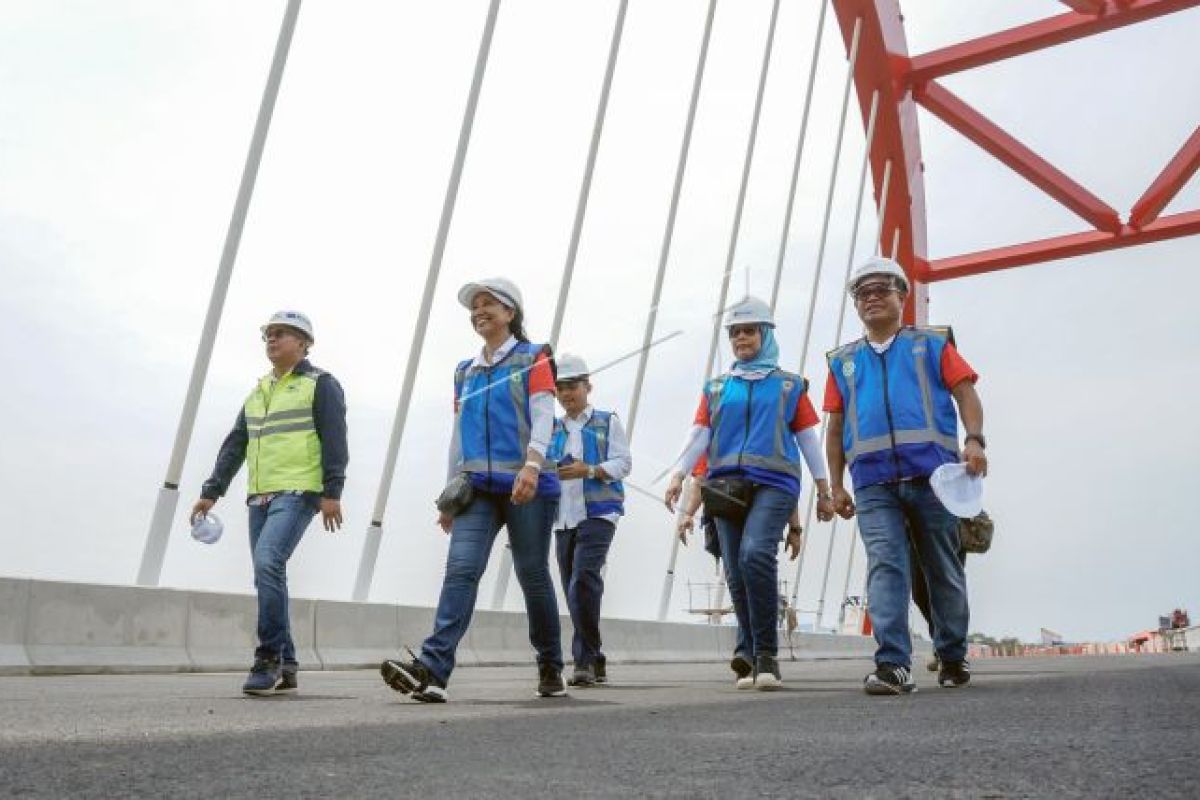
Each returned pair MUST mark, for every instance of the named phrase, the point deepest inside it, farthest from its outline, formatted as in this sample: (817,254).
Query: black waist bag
(727,498)
(457,495)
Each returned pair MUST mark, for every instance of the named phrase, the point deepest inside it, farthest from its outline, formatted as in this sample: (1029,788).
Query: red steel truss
(906,81)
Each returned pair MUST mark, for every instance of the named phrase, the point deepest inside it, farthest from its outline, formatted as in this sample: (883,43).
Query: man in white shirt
(592,452)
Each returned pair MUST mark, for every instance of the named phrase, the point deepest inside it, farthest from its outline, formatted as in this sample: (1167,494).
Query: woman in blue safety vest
(503,422)
(754,423)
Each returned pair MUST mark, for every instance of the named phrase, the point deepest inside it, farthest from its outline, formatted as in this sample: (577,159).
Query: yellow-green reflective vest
(284,451)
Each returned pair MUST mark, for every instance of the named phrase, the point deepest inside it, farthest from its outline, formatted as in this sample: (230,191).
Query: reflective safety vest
(283,451)
(599,497)
(751,424)
(900,420)
(494,419)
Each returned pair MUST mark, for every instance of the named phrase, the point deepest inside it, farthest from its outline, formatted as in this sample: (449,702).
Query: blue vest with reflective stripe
(900,421)
(600,498)
(494,420)
(751,428)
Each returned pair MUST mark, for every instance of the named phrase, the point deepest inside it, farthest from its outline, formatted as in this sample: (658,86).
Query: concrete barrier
(79,627)
(57,627)
(14,611)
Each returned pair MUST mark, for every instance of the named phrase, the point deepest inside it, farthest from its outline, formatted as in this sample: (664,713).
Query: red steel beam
(1035,36)
(1085,6)
(1078,244)
(1168,183)
(1026,163)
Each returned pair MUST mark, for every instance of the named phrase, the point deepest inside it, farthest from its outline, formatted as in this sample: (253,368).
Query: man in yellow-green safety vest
(291,432)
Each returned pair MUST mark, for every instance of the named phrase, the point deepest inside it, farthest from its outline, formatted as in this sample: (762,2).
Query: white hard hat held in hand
(960,492)
(571,367)
(292,319)
(749,311)
(877,265)
(502,289)
(208,528)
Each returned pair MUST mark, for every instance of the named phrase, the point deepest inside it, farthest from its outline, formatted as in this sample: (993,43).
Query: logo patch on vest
(787,385)
(515,377)
(848,369)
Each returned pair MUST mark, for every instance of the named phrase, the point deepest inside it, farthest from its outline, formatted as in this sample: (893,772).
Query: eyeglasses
(742,330)
(276,333)
(871,290)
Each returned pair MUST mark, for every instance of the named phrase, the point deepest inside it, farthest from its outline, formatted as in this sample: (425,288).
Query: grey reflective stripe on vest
(481,465)
(258,433)
(277,416)
(603,494)
(927,434)
(760,462)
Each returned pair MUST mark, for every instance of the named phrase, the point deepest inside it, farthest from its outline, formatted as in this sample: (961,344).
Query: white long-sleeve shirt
(541,413)
(571,508)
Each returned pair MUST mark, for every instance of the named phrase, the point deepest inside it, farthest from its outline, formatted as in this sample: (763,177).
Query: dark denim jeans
(471,539)
(582,552)
(275,530)
(751,555)
(883,511)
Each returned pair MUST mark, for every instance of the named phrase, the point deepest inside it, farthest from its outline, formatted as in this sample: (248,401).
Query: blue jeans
(751,554)
(883,511)
(471,541)
(275,530)
(581,555)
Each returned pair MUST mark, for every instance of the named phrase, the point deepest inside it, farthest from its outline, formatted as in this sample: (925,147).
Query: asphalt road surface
(1083,727)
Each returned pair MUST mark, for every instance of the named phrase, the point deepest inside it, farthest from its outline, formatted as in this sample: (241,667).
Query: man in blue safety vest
(891,398)
(592,452)
(291,432)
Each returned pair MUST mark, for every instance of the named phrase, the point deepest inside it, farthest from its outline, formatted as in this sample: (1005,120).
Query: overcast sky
(123,130)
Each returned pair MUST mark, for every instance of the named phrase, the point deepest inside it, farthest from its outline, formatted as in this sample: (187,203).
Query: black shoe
(287,678)
(954,674)
(550,681)
(890,679)
(766,673)
(414,678)
(263,677)
(744,670)
(601,669)
(584,676)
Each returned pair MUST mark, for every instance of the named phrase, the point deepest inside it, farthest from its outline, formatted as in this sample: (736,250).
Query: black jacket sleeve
(229,460)
(329,416)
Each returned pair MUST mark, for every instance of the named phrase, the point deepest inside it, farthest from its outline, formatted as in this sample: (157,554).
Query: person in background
(291,431)
(593,456)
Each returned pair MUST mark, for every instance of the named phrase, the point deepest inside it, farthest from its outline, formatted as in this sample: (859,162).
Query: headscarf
(765,361)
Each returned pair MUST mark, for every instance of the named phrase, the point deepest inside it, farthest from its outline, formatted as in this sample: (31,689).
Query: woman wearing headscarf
(754,424)
(503,421)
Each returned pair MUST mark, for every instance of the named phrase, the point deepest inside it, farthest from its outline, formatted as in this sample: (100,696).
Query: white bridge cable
(366,569)
(150,570)
(800,139)
(589,168)
(668,233)
(735,230)
(846,582)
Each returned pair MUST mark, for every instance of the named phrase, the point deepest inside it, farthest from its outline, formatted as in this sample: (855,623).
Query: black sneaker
(263,676)
(890,679)
(954,674)
(414,678)
(584,676)
(744,670)
(766,674)
(550,681)
(287,678)
(601,669)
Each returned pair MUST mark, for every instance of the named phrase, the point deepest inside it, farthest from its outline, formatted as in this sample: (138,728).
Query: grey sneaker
(550,681)
(287,678)
(766,674)
(890,679)
(583,677)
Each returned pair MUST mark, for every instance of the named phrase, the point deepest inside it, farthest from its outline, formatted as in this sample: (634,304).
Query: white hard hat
(293,319)
(208,528)
(571,367)
(749,311)
(503,289)
(877,265)
(960,493)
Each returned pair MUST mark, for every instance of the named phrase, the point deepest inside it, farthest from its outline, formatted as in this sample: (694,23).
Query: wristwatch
(591,473)
(977,437)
